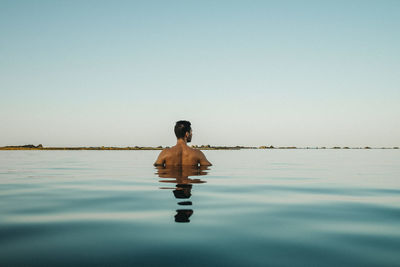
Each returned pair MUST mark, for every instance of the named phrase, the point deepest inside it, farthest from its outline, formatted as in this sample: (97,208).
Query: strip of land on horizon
(202,147)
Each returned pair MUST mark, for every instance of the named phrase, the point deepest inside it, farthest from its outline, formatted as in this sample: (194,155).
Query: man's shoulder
(195,151)
(166,150)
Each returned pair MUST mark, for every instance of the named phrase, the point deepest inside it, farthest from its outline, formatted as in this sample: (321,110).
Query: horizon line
(202,147)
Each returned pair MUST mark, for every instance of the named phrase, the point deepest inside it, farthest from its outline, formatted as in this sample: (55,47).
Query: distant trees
(266,147)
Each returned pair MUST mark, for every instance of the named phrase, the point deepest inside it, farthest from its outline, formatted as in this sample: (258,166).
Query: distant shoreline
(203,147)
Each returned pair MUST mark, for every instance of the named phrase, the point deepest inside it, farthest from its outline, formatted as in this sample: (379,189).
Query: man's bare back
(181,154)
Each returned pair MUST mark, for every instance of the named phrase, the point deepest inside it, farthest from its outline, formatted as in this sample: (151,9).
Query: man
(181,154)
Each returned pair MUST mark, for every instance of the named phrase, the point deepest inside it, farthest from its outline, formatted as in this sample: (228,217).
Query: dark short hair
(181,128)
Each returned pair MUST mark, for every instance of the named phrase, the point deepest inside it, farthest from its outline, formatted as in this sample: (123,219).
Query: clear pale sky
(302,73)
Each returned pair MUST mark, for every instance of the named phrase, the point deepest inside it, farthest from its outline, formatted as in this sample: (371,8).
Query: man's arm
(161,159)
(203,160)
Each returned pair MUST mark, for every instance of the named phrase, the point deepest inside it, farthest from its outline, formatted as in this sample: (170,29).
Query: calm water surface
(252,208)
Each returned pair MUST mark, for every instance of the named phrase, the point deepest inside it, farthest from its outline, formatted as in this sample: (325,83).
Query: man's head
(183,130)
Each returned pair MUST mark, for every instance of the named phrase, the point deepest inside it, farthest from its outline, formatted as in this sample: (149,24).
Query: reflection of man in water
(181,154)
(183,189)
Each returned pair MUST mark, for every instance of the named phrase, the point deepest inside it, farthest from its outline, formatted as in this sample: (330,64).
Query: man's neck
(181,142)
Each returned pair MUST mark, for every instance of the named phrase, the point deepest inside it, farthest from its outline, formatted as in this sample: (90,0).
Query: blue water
(252,208)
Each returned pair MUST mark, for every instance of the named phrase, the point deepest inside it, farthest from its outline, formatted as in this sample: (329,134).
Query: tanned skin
(182,155)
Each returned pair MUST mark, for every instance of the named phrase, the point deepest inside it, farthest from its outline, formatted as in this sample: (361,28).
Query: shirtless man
(181,154)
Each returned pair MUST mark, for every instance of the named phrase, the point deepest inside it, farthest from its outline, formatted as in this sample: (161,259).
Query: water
(252,208)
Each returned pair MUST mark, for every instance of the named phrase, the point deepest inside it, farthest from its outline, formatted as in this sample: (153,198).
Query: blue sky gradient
(302,73)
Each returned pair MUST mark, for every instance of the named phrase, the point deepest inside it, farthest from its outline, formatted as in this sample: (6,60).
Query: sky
(121,73)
